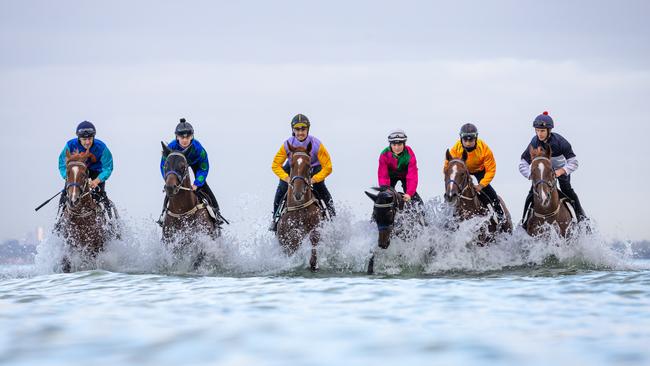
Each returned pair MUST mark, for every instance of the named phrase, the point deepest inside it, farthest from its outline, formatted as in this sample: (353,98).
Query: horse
(388,212)
(302,214)
(83,224)
(460,192)
(548,207)
(184,214)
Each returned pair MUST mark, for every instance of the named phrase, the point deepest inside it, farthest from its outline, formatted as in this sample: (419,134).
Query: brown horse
(548,207)
(185,215)
(83,225)
(460,192)
(302,214)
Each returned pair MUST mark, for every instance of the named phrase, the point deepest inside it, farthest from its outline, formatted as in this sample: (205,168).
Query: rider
(197,158)
(99,163)
(480,163)
(321,166)
(397,163)
(563,160)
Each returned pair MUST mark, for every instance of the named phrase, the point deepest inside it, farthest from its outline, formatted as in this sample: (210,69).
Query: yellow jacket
(321,155)
(478,160)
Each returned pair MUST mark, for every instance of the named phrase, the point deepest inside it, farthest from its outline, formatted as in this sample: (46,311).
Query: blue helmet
(86,129)
(543,121)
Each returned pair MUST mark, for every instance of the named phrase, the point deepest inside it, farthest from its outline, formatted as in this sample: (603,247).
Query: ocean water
(436,298)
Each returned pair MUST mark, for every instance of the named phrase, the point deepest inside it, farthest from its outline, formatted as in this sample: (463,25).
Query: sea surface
(436,298)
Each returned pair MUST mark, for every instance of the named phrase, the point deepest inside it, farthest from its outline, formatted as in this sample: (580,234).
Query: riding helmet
(469,130)
(86,129)
(397,136)
(184,128)
(543,121)
(300,120)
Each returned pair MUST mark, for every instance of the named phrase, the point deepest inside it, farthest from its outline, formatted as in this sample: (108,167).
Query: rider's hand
(194,188)
(478,187)
(406,197)
(94,183)
(560,172)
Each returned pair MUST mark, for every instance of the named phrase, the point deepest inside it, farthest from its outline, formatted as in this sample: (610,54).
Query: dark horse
(388,212)
(548,207)
(302,215)
(185,214)
(460,192)
(83,224)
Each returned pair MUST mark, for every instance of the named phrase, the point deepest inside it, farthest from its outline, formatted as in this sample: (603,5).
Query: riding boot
(277,214)
(527,205)
(162,214)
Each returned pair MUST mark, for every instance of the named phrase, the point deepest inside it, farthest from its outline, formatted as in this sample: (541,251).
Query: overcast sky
(239,71)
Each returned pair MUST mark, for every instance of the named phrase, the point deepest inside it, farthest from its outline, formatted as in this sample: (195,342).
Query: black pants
(567,190)
(320,190)
(491,195)
(204,191)
(415,198)
(98,194)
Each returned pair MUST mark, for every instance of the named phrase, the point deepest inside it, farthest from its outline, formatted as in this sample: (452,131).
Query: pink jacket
(398,168)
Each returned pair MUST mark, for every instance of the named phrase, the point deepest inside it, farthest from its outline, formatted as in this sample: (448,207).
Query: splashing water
(247,248)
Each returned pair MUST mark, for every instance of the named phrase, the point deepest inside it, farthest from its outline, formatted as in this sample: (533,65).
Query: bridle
(393,206)
(307,187)
(465,184)
(181,177)
(83,187)
(552,186)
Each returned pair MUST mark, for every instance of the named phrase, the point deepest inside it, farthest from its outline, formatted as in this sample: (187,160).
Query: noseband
(300,177)
(551,184)
(82,186)
(465,186)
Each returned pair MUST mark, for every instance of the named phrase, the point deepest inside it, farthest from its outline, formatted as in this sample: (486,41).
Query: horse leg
(371,264)
(66,267)
(314,237)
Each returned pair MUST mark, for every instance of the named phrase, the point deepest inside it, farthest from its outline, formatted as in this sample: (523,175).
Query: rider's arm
(490,167)
(107,165)
(278,161)
(325,163)
(201,173)
(524,168)
(383,179)
(62,168)
(571,165)
(412,175)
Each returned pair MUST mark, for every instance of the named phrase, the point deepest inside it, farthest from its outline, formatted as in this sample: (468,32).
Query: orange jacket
(478,160)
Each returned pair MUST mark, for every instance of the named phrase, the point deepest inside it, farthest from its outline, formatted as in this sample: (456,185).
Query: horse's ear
(548,151)
(373,197)
(291,148)
(448,155)
(378,189)
(464,155)
(531,151)
(67,154)
(309,148)
(166,150)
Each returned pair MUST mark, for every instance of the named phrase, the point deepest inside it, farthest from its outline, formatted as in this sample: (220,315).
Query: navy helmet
(184,128)
(86,129)
(300,120)
(543,121)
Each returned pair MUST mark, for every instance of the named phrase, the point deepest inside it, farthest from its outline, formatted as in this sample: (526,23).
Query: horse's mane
(77,156)
(541,150)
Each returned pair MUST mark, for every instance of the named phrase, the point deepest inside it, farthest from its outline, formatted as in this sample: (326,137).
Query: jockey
(197,158)
(321,165)
(397,163)
(99,163)
(480,163)
(563,160)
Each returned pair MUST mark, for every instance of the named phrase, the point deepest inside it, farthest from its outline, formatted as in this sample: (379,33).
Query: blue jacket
(100,160)
(197,157)
(560,148)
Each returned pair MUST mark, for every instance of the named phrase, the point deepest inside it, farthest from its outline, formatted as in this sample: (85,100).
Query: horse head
(76,183)
(386,204)
(300,173)
(175,169)
(542,175)
(457,177)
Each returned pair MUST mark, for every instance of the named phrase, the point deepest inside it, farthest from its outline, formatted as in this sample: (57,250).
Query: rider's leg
(324,194)
(527,204)
(494,198)
(565,187)
(207,192)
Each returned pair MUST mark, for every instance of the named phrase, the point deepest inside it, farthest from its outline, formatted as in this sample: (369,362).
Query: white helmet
(397,136)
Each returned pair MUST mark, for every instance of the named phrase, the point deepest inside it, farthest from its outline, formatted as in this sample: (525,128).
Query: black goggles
(86,132)
(469,136)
